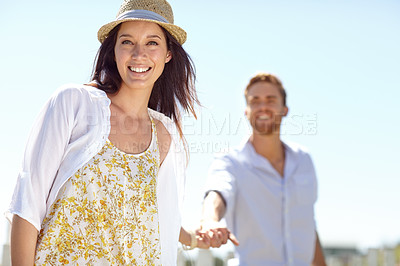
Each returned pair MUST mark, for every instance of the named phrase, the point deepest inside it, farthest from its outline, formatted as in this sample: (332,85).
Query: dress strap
(154,140)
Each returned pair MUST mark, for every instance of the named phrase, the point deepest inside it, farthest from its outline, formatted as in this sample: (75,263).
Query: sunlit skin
(140,53)
(265,108)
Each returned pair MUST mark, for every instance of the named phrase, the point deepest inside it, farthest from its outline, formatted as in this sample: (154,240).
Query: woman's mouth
(139,69)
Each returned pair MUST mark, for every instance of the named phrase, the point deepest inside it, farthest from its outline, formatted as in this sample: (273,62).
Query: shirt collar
(257,161)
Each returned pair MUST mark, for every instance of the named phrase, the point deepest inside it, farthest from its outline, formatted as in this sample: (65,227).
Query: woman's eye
(126,42)
(153,43)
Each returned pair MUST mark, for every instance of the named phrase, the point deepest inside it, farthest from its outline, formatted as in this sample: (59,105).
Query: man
(266,189)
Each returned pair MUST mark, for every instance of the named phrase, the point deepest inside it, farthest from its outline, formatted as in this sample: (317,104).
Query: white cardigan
(72,127)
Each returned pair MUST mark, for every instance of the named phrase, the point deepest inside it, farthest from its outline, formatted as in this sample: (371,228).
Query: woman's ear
(169,57)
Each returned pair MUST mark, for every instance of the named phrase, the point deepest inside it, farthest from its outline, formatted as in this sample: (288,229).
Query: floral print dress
(106,213)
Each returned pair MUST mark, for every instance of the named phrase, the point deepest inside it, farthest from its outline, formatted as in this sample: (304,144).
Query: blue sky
(339,61)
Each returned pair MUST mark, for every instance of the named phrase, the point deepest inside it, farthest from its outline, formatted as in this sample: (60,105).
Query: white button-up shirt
(72,127)
(272,217)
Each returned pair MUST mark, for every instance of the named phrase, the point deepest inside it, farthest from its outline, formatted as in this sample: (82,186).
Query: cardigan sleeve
(170,192)
(43,154)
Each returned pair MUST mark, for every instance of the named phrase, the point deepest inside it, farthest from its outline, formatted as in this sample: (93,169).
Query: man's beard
(266,129)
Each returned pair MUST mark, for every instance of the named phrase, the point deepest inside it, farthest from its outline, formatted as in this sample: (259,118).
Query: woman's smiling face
(141,53)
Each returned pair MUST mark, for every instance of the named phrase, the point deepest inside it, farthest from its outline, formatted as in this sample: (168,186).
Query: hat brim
(178,33)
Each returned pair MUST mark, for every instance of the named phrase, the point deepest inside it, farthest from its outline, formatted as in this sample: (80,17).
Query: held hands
(197,240)
(208,235)
(215,235)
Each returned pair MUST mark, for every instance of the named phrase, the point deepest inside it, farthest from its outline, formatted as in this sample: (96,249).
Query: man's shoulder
(233,157)
(296,148)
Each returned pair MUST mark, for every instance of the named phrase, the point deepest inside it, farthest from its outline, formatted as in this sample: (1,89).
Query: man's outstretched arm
(214,208)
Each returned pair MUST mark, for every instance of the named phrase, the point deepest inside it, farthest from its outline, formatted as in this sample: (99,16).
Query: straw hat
(157,11)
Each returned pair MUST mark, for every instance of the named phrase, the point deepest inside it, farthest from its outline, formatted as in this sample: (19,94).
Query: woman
(103,173)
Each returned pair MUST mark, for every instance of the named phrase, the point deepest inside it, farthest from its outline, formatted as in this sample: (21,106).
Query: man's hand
(214,208)
(217,235)
(203,241)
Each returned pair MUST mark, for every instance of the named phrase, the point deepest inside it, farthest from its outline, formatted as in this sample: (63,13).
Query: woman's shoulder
(78,96)
(167,125)
(79,90)
(165,120)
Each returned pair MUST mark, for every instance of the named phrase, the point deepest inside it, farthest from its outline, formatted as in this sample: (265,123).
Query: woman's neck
(131,102)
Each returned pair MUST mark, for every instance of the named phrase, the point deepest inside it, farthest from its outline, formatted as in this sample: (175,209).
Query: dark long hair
(174,89)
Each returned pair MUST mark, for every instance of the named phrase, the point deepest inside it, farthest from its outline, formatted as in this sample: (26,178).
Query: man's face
(265,108)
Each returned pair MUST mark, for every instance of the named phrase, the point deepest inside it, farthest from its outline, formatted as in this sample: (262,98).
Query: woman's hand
(203,241)
(217,235)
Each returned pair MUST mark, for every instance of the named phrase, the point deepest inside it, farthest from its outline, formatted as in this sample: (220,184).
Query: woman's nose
(138,51)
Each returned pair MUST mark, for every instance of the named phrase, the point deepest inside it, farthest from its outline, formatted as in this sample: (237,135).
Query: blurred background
(338,60)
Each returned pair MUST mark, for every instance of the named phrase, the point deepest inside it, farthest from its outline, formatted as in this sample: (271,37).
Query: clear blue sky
(339,61)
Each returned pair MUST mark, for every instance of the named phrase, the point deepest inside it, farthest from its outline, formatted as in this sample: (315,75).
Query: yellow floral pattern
(106,213)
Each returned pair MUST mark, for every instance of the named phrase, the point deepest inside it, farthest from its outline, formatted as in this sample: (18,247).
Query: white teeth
(264,117)
(138,69)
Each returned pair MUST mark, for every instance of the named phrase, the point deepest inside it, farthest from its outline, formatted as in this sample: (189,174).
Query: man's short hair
(266,77)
